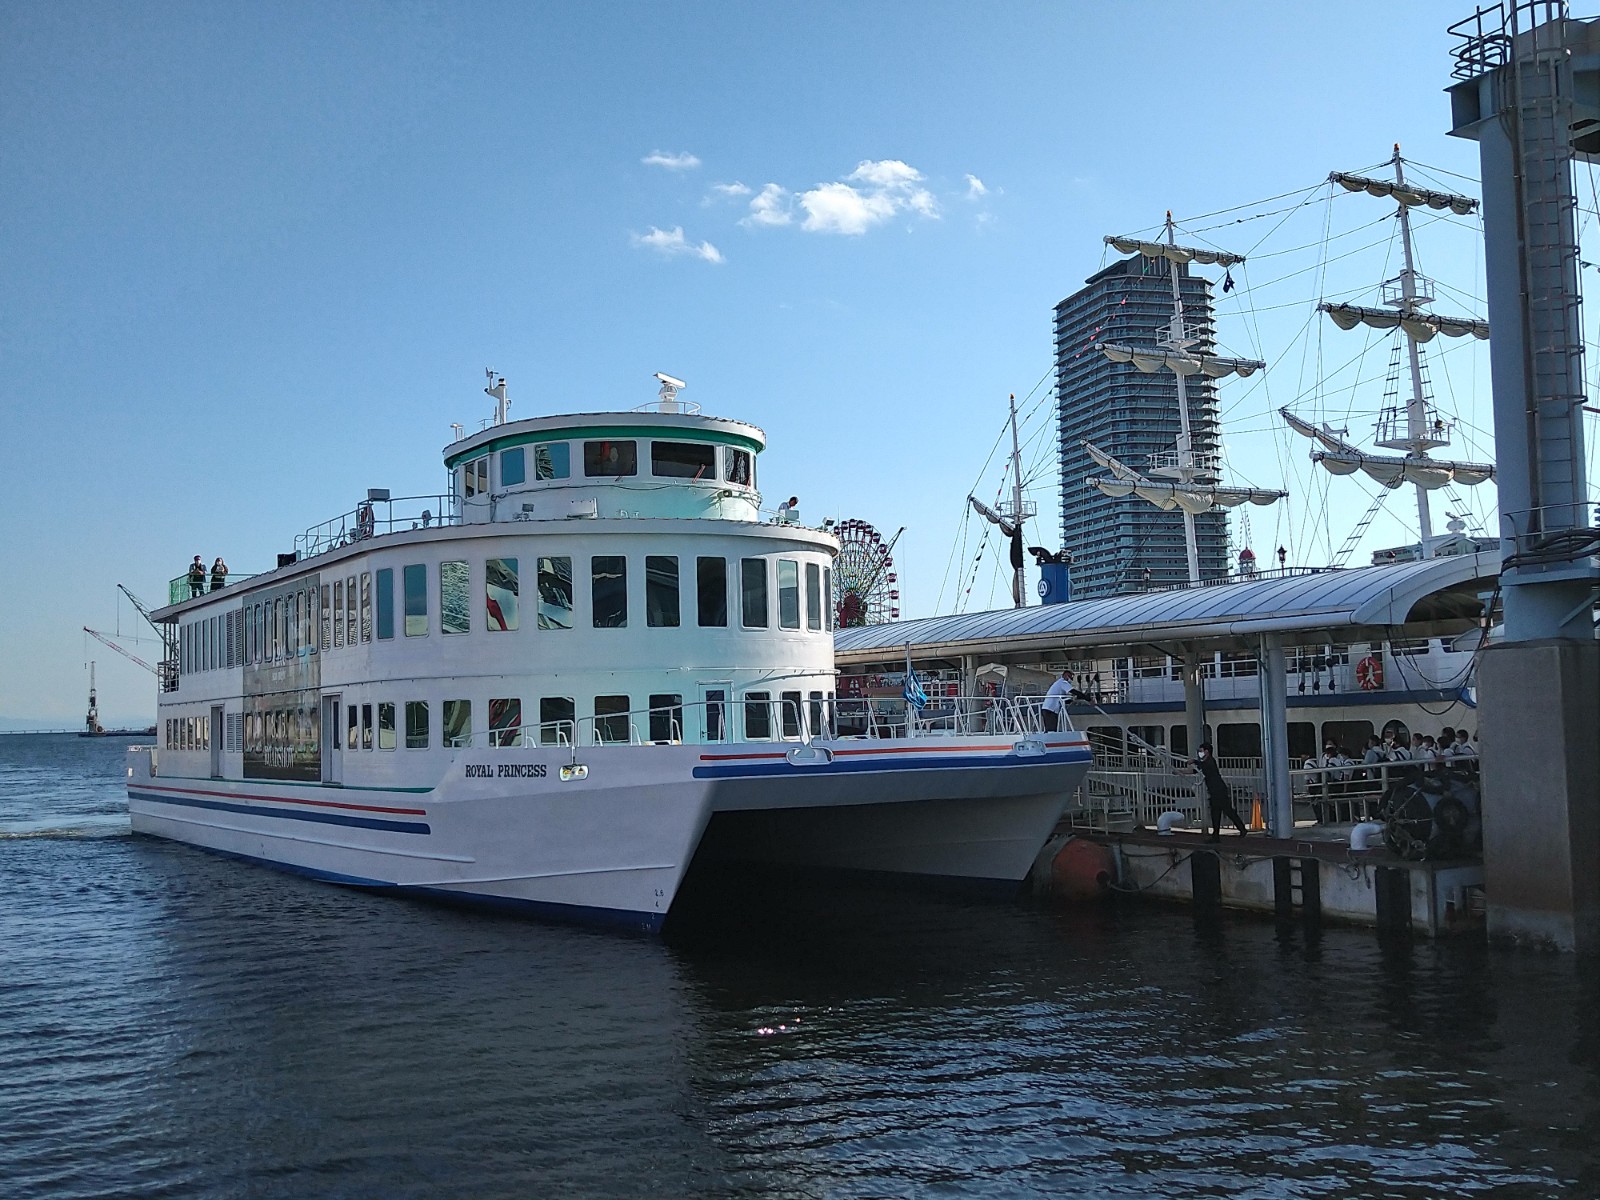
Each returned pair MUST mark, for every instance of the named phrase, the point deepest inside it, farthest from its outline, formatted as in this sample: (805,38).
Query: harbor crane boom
(128,654)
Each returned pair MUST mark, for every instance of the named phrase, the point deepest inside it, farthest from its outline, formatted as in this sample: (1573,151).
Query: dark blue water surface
(174,1024)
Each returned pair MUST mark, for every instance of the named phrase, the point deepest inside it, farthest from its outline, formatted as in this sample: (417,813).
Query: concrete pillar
(1274,680)
(1538,712)
(1194,697)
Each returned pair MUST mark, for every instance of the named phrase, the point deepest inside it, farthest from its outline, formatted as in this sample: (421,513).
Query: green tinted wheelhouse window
(552,460)
(513,467)
(385,605)
(610,458)
(683,460)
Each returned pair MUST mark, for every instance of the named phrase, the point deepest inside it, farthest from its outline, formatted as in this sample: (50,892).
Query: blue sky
(256,258)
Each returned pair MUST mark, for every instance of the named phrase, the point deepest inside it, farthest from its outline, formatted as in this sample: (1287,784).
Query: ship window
(556,715)
(1236,740)
(754,580)
(788,594)
(385,604)
(500,594)
(453,604)
(366,727)
(327,617)
(683,460)
(610,458)
(757,716)
(277,628)
(475,477)
(555,592)
(416,724)
(716,714)
(366,606)
(352,738)
(609,590)
(666,718)
(415,581)
(553,460)
(711,588)
(814,714)
(827,598)
(813,596)
(338,612)
(661,591)
(791,713)
(350,611)
(738,467)
(385,726)
(513,467)
(505,722)
(457,723)
(611,719)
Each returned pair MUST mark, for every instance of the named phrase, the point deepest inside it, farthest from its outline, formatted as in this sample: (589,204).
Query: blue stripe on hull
(578,914)
(744,770)
(252,810)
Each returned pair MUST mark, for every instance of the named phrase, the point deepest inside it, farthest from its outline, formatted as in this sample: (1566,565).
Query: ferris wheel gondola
(865,585)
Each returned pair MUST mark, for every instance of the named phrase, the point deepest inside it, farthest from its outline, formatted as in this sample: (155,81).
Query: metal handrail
(374,518)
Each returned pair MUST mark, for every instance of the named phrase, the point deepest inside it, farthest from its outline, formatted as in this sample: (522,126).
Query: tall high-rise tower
(1124,544)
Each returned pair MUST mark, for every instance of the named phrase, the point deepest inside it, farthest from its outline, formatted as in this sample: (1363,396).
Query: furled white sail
(1406,193)
(1177,254)
(1151,359)
(1189,498)
(1419,326)
(1339,457)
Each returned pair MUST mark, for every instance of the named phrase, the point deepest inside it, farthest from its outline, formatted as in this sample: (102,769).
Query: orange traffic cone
(1257,825)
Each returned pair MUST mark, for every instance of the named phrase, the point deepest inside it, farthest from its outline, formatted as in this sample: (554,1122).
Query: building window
(683,460)
(385,603)
(500,594)
(385,726)
(457,723)
(553,460)
(757,716)
(555,592)
(666,718)
(475,477)
(556,717)
(454,608)
(414,578)
(788,594)
(513,467)
(813,596)
(611,719)
(505,722)
(416,724)
(711,592)
(608,574)
(661,591)
(738,467)
(610,459)
(754,580)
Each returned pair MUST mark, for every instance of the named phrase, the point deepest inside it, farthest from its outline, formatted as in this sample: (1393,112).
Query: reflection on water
(178,1024)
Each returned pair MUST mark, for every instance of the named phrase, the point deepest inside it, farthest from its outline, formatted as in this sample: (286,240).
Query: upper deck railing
(372,518)
(180,589)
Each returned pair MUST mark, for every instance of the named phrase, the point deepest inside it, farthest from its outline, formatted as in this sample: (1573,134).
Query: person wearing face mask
(1218,793)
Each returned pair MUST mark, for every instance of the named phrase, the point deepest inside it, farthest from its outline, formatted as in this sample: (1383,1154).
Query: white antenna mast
(497,389)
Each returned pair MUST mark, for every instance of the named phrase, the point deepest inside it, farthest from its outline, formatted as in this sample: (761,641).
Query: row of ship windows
(610,459)
(281,628)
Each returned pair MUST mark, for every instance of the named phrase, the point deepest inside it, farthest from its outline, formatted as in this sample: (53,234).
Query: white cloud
(671,243)
(731,189)
(672,162)
(771,206)
(975,187)
(870,195)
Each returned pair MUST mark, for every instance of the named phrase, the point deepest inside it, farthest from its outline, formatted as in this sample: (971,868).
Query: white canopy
(1151,359)
(1419,326)
(1177,254)
(1339,457)
(1405,193)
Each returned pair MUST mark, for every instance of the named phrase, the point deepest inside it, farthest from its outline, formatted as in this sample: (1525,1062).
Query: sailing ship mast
(1406,301)
(1184,480)
(1011,516)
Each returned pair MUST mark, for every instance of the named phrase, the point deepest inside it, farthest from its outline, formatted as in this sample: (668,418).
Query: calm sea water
(174,1024)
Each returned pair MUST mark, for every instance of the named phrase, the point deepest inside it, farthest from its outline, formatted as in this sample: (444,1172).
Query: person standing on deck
(219,574)
(1055,701)
(1218,794)
(197,577)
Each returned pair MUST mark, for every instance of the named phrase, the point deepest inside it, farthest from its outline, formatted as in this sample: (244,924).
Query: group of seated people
(1342,787)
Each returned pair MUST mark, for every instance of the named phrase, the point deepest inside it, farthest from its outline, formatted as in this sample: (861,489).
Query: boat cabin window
(757,716)
(325,633)
(683,460)
(814,714)
(1235,740)
(608,590)
(716,718)
(366,727)
(500,594)
(555,592)
(386,731)
(505,722)
(475,477)
(457,729)
(813,596)
(790,717)
(385,604)
(349,611)
(338,612)
(827,598)
(556,717)
(513,467)
(611,718)
(754,588)
(415,580)
(788,594)
(661,591)
(666,718)
(552,460)
(610,459)
(711,588)
(454,606)
(1303,739)
(366,607)
(416,724)
(1349,736)
(737,467)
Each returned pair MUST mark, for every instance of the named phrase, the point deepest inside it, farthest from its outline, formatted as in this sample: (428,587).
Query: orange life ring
(1369,674)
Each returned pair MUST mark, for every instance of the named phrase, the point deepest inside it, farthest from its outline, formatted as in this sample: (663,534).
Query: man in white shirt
(1055,700)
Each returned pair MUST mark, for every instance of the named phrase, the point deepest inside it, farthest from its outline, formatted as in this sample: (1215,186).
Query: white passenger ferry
(381,711)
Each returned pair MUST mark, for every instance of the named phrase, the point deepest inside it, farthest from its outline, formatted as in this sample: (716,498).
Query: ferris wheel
(864,580)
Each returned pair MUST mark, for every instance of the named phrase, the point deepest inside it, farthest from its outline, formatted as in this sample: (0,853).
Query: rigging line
(1252,203)
(1323,264)
(1411,162)
(1260,216)
(1325,241)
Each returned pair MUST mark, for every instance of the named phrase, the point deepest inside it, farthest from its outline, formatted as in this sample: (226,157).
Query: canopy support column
(1274,680)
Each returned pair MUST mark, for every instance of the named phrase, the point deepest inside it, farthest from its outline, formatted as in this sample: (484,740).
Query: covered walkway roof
(1439,595)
